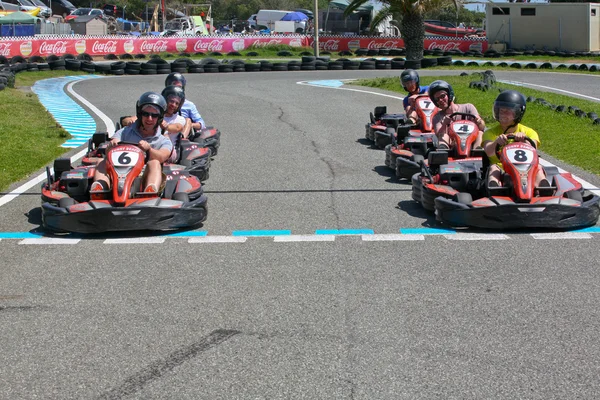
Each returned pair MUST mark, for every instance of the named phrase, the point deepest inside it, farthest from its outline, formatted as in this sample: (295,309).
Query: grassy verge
(29,137)
(564,136)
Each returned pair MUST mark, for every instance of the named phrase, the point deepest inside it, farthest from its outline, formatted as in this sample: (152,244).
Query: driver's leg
(494,176)
(101,180)
(153,176)
(477,143)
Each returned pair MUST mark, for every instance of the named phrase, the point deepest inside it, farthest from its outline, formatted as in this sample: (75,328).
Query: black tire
(307,67)
(367,65)
(225,68)
(198,69)
(35,59)
(57,64)
(140,56)
(157,61)
(252,67)
(132,71)
(148,66)
(133,65)
(307,59)
(68,57)
(73,65)
(412,64)
(429,62)
(211,68)
(180,70)
(284,53)
(126,56)
(117,65)
(17,60)
(117,72)
(148,72)
(52,57)
(294,67)
(251,54)
(111,57)
(234,54)
(84,57)
(102,68)
(187,62)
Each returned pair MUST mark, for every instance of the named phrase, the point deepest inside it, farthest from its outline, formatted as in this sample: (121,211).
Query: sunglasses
(149,114)
(441,95)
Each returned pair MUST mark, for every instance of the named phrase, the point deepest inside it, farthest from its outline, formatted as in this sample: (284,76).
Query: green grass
(29,136)
(564,136)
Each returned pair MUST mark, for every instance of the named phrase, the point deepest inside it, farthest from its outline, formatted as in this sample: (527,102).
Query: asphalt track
(418,315)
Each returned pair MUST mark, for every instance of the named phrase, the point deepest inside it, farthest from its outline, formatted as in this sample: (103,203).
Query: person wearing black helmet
(188,109)
(147,133)
(409,79)
(509,108)
(442,95)
(174,126)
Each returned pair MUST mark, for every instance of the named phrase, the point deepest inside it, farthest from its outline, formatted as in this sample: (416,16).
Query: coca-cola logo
(5,49)
(271,42)
(58,47)
(213,45)
(153,47)
(389,44)
(330,45)
(110,46)
(444,46)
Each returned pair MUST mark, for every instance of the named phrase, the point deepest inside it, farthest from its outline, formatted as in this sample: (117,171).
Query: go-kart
(377,130)
(208,137)
(411,139)
(518,204)
(463,134)
(194,158)
(68,205)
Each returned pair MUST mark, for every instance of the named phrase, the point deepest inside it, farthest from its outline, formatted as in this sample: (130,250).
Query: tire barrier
(526,64)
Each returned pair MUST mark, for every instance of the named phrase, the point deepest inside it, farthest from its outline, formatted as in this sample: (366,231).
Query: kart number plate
(519,156)
(124,158)
(426,104)
(463,128)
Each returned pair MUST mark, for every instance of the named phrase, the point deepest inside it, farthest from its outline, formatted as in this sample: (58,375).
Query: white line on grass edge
(35,181)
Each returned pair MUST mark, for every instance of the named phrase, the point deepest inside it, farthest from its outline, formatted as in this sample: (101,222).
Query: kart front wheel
(463,198)
(574,195)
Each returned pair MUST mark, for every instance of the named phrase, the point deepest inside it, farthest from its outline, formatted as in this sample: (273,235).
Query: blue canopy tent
(371,8)
(295,16)
(18,24)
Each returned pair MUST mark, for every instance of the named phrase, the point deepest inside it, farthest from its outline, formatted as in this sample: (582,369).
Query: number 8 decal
(520,156)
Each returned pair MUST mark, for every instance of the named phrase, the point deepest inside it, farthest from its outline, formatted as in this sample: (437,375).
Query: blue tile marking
(426,231)
(262,233)
(188,234)
(330,83)
(70,115)
(20,235)
(591,229)
(344,232)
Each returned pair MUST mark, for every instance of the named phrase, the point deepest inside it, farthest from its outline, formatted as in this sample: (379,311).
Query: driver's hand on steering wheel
(113,142)
(519,136)
(144,145)
(501,140)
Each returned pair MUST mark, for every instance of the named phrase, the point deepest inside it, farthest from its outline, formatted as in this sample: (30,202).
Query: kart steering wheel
(512,137)
(463,115)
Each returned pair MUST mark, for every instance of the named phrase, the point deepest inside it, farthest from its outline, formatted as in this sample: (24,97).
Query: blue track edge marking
(70,115)
(20,235)
(187,234)
(591,229)
(326,83)
(426,231)
(262,233)
(344,232)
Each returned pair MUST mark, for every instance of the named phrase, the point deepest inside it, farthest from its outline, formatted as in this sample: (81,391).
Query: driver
(509,108)
(147,133)
(173,125)
(410,82)
(188,109)
(442,95)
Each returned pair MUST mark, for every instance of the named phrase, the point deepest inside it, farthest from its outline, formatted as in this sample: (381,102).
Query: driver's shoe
(544,188)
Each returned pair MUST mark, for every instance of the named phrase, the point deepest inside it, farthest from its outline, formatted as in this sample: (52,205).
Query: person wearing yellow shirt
(509,108)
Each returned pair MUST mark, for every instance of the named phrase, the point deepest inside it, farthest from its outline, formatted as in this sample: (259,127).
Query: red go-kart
(378,129)
(68,205)
(413,139)
(518,204)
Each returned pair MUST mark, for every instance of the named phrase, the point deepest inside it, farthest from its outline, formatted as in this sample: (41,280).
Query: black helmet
(175,77)
(513,100)
(437,86)
(174,91)
(153,99)
(409,75)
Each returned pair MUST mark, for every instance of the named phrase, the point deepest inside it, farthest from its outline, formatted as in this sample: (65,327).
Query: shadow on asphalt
(414,209)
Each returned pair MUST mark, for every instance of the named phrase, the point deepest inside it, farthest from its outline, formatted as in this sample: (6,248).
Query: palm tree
(412,15)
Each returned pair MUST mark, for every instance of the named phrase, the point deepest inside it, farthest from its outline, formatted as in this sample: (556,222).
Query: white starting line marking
(218,239)
(476,236)
(391,237)
(50,241)
(141,240)
(304,238)
(561,235)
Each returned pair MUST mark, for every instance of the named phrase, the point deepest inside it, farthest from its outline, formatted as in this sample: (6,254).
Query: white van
(269,17)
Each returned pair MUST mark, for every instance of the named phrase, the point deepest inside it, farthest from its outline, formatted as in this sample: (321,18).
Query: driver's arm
(162,155)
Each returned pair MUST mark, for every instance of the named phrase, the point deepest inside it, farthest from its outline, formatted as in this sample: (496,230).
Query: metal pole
(316,27)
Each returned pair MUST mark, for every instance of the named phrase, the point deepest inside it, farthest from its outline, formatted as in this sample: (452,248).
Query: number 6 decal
(123,158)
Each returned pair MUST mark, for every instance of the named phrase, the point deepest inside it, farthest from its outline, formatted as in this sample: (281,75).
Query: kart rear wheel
(463,198)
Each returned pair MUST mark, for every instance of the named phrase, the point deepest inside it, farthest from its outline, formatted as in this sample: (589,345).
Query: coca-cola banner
(101,46)
(341,43)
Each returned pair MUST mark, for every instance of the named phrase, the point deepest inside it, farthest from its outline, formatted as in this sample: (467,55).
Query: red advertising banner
(27,47)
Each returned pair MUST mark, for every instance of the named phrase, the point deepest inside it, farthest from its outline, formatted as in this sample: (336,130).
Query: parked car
(8,6)
(84,11)
(60,7)
(45,11)
(24,5)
